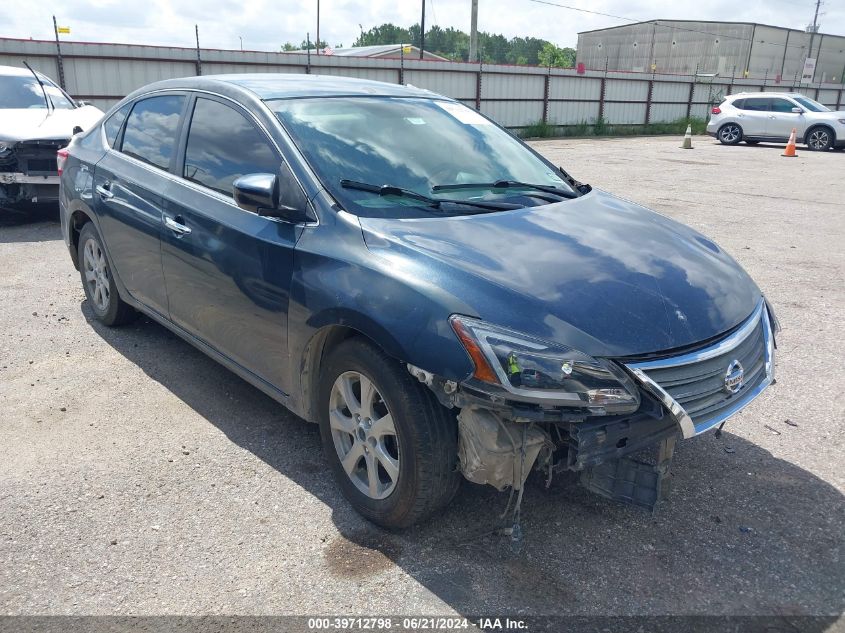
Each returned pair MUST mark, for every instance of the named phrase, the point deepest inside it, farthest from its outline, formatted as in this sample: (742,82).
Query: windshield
(412,144)
(22,91)
(812,106)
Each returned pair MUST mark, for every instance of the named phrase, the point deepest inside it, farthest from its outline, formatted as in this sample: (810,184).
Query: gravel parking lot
(139,477)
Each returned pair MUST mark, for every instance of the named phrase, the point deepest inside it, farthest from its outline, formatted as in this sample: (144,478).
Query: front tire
(729,134)
(819,139)
(98,282)
(392,447)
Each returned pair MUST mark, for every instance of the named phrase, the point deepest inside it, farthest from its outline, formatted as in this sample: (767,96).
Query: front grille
(693,386)
(38,158)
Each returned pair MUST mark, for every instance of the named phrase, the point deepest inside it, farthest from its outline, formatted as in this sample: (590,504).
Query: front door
(127,196)
(782,119)
(228,271)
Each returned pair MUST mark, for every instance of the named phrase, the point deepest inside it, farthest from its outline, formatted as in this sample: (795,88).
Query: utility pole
(318,27)
(59,62)
(473,33)
(815,28)
(199,58)
(422,30)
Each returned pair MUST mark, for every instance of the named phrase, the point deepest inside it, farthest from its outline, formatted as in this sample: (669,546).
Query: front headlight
(539,371)
(5,147)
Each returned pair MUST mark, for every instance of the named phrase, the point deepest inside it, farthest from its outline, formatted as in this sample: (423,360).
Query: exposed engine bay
(501,442)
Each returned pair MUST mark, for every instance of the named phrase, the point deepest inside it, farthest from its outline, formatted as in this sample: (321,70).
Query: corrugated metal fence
(515,96)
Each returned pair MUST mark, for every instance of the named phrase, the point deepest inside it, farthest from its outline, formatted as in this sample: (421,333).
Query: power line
(665,26)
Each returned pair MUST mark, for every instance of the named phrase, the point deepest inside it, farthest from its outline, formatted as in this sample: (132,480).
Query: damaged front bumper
(501,440)
(28,171)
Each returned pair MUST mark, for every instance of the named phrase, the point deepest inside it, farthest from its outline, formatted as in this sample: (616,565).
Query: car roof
(765,94)
(290,86)
(17,71)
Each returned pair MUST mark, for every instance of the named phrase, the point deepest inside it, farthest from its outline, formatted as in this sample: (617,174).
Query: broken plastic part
(490,448)
(633,481)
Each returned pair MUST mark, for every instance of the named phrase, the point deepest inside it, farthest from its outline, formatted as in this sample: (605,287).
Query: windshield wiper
(391,190)
(506,184)
(49,101)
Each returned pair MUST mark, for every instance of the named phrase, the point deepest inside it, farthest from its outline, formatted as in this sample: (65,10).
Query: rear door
(228,270)
(783,119)
(754,116)
(127,195)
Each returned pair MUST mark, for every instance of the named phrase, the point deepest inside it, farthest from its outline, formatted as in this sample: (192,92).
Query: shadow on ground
(30,223)
(742,533)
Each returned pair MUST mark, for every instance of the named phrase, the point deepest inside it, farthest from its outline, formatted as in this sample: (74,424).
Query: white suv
(771,116)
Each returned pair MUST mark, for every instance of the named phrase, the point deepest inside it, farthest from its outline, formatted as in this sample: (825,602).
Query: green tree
(305,46)
(556,57)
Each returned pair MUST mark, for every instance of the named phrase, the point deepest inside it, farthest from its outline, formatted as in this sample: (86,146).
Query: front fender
(337,281)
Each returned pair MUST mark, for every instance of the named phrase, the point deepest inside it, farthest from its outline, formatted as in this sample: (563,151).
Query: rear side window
(150,133)
(757,104)
(114,123)
(782,105)
(223,145)
(739,103)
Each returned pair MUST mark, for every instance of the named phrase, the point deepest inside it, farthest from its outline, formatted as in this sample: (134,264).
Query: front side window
(23,91)
(223,145)
(782,105)
(150,133)
(114,122)
(812,106)
(757,104)
(415,144)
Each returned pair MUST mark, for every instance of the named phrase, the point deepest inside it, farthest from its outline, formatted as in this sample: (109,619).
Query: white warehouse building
(728,49)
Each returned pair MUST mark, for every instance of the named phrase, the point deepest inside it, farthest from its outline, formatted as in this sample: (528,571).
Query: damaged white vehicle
(36,119)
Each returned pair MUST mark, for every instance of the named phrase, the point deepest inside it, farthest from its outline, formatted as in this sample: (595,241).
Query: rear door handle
(176,226)
(105,190)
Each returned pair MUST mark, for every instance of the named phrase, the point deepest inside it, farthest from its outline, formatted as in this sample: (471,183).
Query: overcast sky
(266,24)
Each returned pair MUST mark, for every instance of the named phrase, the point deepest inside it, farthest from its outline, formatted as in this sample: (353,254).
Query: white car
(36,119)
(771,116)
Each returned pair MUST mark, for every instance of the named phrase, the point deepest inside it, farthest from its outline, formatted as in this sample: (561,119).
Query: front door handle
(177,227)
(105,191)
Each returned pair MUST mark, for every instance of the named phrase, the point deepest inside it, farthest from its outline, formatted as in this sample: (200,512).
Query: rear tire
(98,282)
(393,448)
(819,139)
(729,134)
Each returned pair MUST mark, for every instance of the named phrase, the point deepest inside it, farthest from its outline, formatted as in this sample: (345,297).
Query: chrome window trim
(676,411)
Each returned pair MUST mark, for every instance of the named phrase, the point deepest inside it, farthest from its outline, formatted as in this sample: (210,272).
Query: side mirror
(82,104)
(259,193)
(797,110)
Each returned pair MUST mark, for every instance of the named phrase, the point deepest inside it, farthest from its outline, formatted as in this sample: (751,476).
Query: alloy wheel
(364,435)
(819,139)
(729,133)
(96,274)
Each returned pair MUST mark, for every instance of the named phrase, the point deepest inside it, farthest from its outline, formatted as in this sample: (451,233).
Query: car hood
(36,124)
(598,273)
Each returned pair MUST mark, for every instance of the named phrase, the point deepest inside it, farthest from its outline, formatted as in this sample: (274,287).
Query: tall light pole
(422,30)
(473,33)
(318,27)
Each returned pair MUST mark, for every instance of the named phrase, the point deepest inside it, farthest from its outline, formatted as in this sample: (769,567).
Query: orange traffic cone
(789,152)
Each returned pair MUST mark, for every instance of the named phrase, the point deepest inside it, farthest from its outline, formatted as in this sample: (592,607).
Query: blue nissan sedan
(394,266)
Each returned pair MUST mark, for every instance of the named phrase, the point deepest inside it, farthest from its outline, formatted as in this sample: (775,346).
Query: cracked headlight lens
(547,373)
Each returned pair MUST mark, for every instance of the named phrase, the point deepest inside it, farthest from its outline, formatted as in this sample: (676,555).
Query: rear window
(757,104)
(739,103)
(150,133)
(114,123)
